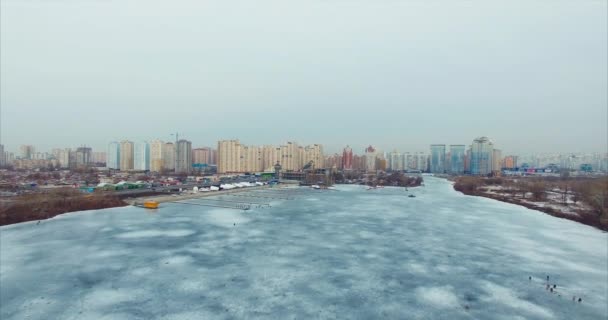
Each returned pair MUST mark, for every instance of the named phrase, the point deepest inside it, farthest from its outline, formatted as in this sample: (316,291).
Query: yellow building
(126,155)
(156,155)
(229,156)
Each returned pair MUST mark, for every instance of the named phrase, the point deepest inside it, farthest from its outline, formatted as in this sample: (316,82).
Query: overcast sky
(531,75)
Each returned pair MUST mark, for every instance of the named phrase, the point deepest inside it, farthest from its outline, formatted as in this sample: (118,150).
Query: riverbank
(41,206)
(48,205)
(580,201)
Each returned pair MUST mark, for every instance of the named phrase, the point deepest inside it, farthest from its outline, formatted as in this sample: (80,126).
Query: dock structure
(251,203)
(239,206)
(260,197)
(226,198)
(198,195)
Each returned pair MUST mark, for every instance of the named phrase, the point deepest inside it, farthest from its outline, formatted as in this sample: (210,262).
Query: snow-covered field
(347,254)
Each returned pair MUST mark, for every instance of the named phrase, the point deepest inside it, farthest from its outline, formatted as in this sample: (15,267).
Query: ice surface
(346,254)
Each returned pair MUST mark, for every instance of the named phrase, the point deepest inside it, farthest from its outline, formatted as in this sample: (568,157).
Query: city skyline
(410,75)
(17,150)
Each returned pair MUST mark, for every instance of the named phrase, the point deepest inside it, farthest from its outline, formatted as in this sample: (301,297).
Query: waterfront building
(370,159)
(335,161)
(141,157)
(184,157)
(496,161)
(438,158)
(251,159)
(126,155)
(290,160)
(156,155)
(202,156)
(482,151)
(236,157)
(168,156)
(113,154)
(395,161)
(270,156)
(314,153)
(213,156)
(457,155)
(229,154)
(381,164)
(467,161)
(347,159)
(358,162)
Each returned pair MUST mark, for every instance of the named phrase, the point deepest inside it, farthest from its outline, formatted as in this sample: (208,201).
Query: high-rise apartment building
(235,157)
(141,156)
(113,155)
(184,157)
(347,158)
(496,160)
(98,157)
(39,156)
(290,160)
(62,156)
(156,156)
(482,150)
(467,161)
(457,155)
(313,153)
(359,162)
(395,161)
(2,156)
(127,149)
(335,161)
(213,157)
(438,158)
(509,162)
(169,156)
(202,156)
(270,156)
(9,157)
(370,158)
(82,157)
(27,151)
(229,155)
(251,159)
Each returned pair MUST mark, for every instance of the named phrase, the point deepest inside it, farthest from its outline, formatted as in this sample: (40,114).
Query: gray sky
(531,75)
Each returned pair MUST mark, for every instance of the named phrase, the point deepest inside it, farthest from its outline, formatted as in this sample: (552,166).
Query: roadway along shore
(188,196)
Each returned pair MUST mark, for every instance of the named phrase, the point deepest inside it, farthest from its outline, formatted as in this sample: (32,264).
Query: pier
(226,198)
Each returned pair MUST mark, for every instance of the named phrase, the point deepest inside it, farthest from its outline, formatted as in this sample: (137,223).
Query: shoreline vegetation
(41,206)
(392,179)
(584,200)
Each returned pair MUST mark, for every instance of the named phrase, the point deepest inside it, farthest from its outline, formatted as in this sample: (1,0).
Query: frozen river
(345,254)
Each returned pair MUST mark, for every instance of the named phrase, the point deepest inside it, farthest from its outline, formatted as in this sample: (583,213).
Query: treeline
(396,179)
(46,205)
(593,192)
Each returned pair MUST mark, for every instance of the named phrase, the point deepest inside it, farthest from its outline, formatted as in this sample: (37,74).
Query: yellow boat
(151,205)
